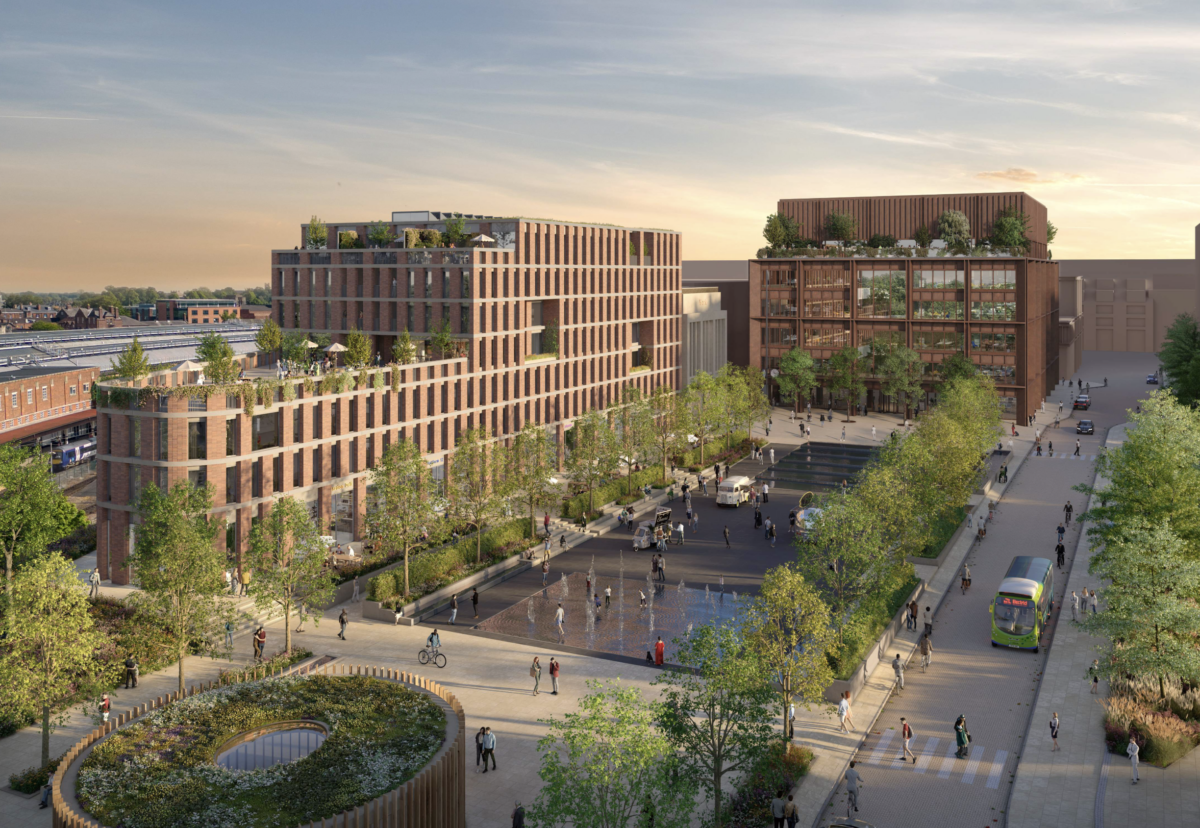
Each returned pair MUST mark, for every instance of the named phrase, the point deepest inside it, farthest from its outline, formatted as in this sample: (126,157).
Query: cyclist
(433,643)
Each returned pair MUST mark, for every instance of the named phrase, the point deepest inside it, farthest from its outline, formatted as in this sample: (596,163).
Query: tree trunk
(45,735)
(287,629)
(182,656)
(406,572)
(717,799)
(478,544)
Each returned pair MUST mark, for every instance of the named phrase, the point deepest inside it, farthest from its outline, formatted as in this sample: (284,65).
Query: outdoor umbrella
(336,348)
(190,365)
(308,343)
(483,239)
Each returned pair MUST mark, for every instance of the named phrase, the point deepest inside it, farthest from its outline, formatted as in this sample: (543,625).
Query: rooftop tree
(358,349)
(840,227)
(781,232)
(219,358)
(132,363)
(1010,229)
(269,338)
(954,229)
(318,234)
(380,234)
(404,352)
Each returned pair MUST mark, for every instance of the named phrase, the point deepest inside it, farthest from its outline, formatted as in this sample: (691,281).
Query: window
(15,400)
(938,340)
(994,310)
(297,470)
(265,431)
(986,341)
(87,387)
(816,337)
(45,392)
(412,284)
(231,484)
(198,476)
(163,435)
(409,325)
(277,476)
(428,283)
(256,478)
(881,293)
(335,417)
(466,285)
(74,389)
(938,310)
(29,396)
(135,437)
(464,318)
(197,440)
(445,284)
(428,317)
(297,427)
(994,279)
(939,279)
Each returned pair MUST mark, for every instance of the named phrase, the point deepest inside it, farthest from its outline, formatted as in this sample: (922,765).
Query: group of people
(535,673)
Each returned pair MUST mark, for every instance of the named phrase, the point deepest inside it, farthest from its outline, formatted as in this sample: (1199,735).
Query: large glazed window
(881,294)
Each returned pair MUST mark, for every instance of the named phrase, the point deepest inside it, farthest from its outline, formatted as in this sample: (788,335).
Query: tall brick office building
(1001,310)
(614,294)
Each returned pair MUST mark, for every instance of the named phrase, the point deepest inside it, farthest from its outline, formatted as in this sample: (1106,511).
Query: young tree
(781,232)
(404,352)
(455,234)
(787,625)
(922,236)
(1009,229)
(847,370)
(958,366)
(287,558)
(1051,232)
(840,227)
(702,407)
(380,234)
(475,485)
(1151,618)
(358,349)
(1180,358)
(755,405)
(441,340)
(634,431)
(318,234)
(269,338)
(900,372)
(594,455)
(610,766)
(954,228)
(531,468)
(132,363)
(219,358)
(408,513)
(180,570)
(716,712)
(50,654)
(293,349)
(34,512)
(797,377)
(670,424)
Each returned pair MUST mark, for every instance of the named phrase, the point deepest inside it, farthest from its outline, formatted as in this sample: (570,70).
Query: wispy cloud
(1020,175)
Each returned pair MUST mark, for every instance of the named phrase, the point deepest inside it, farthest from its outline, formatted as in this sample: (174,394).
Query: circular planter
(391,752)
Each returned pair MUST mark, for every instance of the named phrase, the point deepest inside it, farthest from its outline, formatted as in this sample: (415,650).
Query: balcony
(289,258)
(456,257)
(420,257)
(320,258)
(351,258)
(384,258)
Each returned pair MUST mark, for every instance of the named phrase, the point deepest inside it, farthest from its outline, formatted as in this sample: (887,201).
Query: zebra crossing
(1063,455)
(977,765)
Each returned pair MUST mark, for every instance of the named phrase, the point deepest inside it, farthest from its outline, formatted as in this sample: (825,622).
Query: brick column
(118,547)
(359,509)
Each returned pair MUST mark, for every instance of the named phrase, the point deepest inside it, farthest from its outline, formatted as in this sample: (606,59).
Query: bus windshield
(1015,616)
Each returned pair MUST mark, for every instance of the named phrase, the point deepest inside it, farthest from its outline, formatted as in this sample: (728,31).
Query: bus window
(1015,616)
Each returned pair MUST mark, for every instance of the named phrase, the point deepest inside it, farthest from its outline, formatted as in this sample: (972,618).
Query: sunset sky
(174,144)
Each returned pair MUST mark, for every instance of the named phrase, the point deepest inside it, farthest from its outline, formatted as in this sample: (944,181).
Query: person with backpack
(906,733)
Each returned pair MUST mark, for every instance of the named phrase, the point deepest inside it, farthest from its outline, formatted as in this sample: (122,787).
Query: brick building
(44,406)
(193,311)
(80,319)
(609,291)
(1001,310)
(21,317)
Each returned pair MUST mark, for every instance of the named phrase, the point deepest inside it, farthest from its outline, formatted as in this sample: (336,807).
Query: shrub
(922,237)
(608,492)
(941,533)
(865,624)
(32,780)
(412,237)
(782,769)
(881,240)
(430,238)
(1162,737)
(840,227)
(349,240)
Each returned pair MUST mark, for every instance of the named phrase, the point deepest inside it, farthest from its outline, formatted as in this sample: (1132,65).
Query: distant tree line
(125,298)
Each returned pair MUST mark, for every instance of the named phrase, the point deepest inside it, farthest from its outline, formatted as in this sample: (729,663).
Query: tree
(441,340)
(797,377)
(787,625)
(1009,229)
(900,372)
(781,232)
(922,236)
(287,557)
(958,366)
(881,240)
(358,349)
(132,363)
(840,227)
(954,229)
(220,361)
(318,234)
(456,233)
(531,465)
(716,712)
(293,349)
(550,338)
(349,240)
(404,352)
(847,370)
(45,325)
(475,485)
(408,513)
(269,338)
(34,512)
(609,764)
(1150,618)
(50,654)
(180,570)
(380,234)
(634,431)
(1180,358)
(594,455)
(670,424)
(1051,233)
(702,407)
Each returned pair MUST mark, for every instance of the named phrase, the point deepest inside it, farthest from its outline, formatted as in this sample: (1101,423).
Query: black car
(1083,401)
(1151,379)
(1085,427)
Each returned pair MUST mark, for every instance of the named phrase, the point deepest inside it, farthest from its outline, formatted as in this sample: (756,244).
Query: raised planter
(878,653)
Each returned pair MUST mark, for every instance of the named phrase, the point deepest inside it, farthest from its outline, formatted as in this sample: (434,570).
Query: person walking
(843,434)
(1094,673)
(518,815)
(131,671)
(545,569)
(535,672)
(726,533)
(926,648)
(479,747)
(771,533)
(765,491)
(1076,448)
(228,633)
(1060,553)
(1054,732)
(662,559)
(966,582)
(607,596)
(843,710)
(453,608)
(962,737)
(354,596)
(558,618)
(546,523)
(1094,602)
(489,749)
(854,782)
(343,620)
(1062,531)
(660,650)
(772,457)
(546,547)
(1132,752)
(1074,606)
(873,432)
(555,669)
(244,577)
(790,813)
(94,580)
(778,806)
(898,669)
(928,621)
(475,602)
(906,733)
(261,635)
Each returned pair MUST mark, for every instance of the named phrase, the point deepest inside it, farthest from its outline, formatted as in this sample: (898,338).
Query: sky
(175,144)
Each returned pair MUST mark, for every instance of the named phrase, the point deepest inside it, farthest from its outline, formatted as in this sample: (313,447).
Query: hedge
(863,627)
(431,570)
(575,507)
(943,530)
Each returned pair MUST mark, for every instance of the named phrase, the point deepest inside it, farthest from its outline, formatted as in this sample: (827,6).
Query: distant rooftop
(30,372)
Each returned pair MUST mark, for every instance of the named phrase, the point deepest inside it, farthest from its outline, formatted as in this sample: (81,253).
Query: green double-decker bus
(1022,605)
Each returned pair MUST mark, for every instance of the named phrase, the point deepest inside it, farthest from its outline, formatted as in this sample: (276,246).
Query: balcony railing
(457,257)
(385,258)
(352,258)
(289,258)
(421,257)
(319,258)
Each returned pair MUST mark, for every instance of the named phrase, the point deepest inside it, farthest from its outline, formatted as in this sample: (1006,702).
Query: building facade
(609,295)
(81,319)
(731,279)
(194,311)
(20,318)
(704,332)
(46,406)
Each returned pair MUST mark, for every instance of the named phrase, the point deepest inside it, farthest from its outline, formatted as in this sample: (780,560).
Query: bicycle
(426,655)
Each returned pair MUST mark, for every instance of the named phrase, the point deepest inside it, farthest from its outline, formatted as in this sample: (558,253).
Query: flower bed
(608,492)
(730,454)
(864,626)
(159,772)
(750,806)
(1165,730)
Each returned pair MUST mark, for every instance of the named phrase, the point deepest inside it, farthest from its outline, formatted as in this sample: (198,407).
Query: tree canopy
(409,513)
(781,232)
(34,512)
(797,376)
(954,229)
(219,358)
(269,338)
(132,363)
(1180,358)
(358,349)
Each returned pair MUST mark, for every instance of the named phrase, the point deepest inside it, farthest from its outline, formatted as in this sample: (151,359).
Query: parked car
(1083,401)
(1151,379)
(1085,427)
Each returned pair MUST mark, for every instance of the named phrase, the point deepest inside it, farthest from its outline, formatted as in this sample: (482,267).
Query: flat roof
(31,371)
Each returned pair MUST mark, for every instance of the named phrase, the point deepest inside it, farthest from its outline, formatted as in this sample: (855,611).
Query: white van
(644,537)
(733,492)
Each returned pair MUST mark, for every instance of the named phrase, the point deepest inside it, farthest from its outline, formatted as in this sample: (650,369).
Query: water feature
(272,744)
(680,587)
(563,587)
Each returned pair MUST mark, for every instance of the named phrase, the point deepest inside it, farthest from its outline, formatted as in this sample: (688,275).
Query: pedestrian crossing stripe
(881,747)
(949,761)
(926,757)
(968,777)
(993,780)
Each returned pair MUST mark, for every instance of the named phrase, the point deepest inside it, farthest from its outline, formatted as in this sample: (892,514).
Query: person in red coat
(659,649)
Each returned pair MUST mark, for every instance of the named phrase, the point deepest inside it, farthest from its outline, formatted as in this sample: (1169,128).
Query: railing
(320,258)
(457,257)
(423,257)
(289,258)
(385,258)
(351,258)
